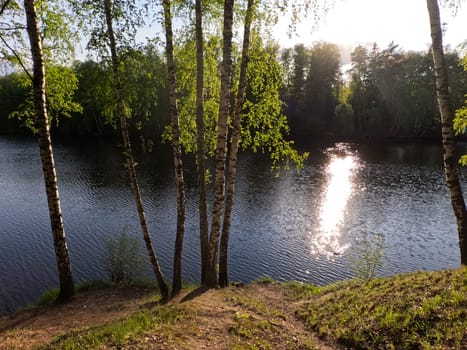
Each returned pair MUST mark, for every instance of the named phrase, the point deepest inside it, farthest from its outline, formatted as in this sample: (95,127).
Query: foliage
(185,55)
(144,77)
(57,34)
(368,257)
(460,120)
(124,260)
(12,95)
(145,91)
(61,86)
(56,24)
(413,311)
(386,93)
(264,125)
(322,84)
(127,17)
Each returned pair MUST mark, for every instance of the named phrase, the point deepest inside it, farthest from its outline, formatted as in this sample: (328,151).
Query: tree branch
(5,4)
(17,57)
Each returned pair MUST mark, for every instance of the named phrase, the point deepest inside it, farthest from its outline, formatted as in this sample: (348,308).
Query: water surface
(309,225)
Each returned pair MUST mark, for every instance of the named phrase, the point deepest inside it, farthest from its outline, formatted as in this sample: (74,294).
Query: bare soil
(257,316)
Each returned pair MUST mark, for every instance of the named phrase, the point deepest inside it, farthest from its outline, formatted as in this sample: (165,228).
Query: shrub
(124,260)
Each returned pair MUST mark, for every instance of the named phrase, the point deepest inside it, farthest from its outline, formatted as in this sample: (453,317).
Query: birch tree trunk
(67,289)
(226,71)
(200,160)
(130,164)
(447,116)
(232,168)
(177,152)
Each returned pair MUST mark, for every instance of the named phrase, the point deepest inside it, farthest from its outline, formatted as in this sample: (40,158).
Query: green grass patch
(122,332)
(48,297)
(264,280)
(298,290)
(92,285)
(422,310)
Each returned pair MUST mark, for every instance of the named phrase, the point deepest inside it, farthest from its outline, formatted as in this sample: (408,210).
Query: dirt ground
(257,316)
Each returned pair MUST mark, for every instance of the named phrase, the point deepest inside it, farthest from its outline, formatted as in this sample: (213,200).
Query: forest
(211,83)
(385,93)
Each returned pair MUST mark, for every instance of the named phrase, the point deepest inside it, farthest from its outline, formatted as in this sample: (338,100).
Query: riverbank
(411,311)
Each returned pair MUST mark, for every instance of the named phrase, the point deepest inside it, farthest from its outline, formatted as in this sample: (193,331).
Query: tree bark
(67,289)
(232,169)
(177,152)
(200,160)
(448,135)
(130,164)
(226,71)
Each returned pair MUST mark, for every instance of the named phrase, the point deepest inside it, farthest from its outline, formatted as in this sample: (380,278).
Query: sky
(405,22)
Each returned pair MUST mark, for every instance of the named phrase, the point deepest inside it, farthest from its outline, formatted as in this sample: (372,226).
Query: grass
(124,331)
(51,295)
(413,311)
(421,310)
(298,290)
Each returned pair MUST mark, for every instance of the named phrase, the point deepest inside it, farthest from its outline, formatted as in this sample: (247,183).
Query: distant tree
(300,65)
(322,84)
(12,95)
(421,116)
(447,116)
(94,94)
(144,75)
(360,96)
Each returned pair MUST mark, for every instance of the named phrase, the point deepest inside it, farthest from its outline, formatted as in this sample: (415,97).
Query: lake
(310,225)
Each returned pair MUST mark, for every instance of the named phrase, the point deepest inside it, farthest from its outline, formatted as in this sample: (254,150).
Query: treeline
(382,93)
(146,94)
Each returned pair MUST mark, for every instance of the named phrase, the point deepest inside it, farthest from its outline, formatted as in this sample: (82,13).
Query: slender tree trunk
(67,289)
(226,71)
(200,160)
(177,152)
(130,164)
(447,116)
(232,169)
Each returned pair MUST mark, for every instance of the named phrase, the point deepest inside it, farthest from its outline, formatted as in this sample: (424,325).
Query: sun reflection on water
(327,240)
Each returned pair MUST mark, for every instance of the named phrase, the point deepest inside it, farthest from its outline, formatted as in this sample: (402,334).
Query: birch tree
(130,163)
(221,149)
(232,165)
(67,290)
(200,151)
(177,150)
(447,129)
(112,24)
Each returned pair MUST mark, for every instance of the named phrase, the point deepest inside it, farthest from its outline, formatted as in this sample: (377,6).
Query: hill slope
(413,311)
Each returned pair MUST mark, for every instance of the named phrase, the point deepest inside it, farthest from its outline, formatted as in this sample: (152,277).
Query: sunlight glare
(333,207)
